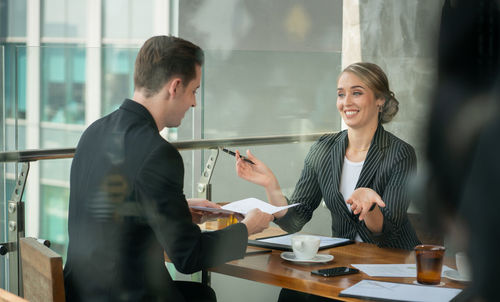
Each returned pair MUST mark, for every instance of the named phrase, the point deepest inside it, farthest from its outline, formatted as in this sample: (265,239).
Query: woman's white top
(348,179)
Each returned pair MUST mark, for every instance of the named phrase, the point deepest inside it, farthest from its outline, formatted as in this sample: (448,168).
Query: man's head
(167,76)
(163,57)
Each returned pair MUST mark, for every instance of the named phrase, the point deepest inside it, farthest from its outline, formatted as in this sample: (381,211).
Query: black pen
(234,154)
(257,252)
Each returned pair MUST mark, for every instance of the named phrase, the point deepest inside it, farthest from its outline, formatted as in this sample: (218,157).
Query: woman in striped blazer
(361,173)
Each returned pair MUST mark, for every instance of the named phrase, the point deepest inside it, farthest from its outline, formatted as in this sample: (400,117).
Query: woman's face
(356,102)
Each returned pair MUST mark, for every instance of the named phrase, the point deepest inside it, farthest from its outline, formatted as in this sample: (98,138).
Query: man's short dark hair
(163,57)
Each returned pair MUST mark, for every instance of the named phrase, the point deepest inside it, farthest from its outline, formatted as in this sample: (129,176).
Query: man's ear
(173,86)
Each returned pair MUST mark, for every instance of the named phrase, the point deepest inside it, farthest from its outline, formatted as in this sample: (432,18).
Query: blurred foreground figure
(464,139)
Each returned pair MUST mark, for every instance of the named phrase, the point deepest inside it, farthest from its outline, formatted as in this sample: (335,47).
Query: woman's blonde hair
(376,79)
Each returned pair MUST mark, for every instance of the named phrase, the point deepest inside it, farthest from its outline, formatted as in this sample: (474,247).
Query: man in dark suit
(126,196)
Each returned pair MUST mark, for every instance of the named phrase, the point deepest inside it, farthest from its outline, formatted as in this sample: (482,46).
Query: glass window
(54,216)
(118,76)
(64,18)
(63,85)
(12,18)
(8,184)
(127,19)
(273,66)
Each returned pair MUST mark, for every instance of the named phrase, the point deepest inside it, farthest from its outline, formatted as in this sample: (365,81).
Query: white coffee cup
(305,246)
(463,264)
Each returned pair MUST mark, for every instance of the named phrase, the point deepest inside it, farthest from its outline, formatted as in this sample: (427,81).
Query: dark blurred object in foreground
(463,148)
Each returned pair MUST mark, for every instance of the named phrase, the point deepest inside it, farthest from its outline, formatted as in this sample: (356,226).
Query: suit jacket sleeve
(395,196)
(159,186)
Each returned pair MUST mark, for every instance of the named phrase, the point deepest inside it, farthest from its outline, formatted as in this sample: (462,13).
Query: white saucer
(454,275)
(290,256)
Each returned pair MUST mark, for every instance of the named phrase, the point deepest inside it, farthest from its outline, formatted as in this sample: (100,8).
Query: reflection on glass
(63,85)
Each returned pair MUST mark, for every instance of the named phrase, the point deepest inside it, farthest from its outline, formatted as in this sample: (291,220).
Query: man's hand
(257,221)
(202,216)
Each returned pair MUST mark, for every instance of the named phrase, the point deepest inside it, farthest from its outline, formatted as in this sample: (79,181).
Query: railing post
(205,191)
(16,231)
(204,186)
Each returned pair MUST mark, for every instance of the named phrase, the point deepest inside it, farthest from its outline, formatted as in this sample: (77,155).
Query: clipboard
(280,242)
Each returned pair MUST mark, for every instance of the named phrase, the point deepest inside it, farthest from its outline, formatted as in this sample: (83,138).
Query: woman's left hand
(362,200)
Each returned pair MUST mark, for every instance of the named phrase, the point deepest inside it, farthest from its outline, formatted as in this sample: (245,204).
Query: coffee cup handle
(298,244)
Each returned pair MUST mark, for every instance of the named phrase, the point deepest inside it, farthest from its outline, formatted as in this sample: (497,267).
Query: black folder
(287,247)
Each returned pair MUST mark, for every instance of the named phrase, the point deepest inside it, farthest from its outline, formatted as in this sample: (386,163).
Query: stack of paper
(399,291)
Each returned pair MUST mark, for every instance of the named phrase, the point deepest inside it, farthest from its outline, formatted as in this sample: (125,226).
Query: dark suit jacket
(126,207)
(387,167)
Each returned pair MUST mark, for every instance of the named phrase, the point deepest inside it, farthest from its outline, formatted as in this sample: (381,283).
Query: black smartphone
(335,271)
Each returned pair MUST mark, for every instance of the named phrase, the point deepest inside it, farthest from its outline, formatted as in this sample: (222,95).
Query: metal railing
(16,217)
(34,155)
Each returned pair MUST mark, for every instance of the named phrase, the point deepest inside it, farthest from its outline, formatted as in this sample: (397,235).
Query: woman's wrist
(272,184)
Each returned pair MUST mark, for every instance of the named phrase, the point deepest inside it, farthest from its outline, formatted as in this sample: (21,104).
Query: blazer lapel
(337,158)
(337,161)
(373,158)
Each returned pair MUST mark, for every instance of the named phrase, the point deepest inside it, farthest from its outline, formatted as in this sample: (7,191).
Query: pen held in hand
(234,154)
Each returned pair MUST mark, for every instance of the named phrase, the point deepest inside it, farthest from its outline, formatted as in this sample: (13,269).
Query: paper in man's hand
(244,206)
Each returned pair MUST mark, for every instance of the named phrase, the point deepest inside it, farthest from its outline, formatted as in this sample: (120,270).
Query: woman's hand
(257,173)
(361,201)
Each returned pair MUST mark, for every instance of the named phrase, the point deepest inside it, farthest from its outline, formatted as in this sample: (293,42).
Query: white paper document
(399,291)
(392,270)
(286,240)
(246,205)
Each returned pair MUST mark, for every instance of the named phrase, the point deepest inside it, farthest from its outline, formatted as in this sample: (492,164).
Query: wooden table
(273,270)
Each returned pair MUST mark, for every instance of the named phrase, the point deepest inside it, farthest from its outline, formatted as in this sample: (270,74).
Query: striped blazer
(387,169)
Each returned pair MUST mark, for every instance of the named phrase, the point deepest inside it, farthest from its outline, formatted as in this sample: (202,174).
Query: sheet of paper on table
(399,291)
(392,270)
(246,205)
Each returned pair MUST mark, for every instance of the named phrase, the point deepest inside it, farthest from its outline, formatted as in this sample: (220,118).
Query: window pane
(142,19)
(15,56)
(118,76)
(3,194)
(10,139)
(127,19)
(12,18)
(64,18)
(63,84)
(54,216)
